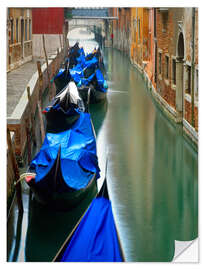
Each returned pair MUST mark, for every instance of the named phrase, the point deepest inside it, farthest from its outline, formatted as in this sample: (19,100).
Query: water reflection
(48,229)
(152,172)
(152,176)
(98,112)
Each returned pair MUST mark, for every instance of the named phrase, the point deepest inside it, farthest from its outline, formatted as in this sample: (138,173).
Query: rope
(22,176)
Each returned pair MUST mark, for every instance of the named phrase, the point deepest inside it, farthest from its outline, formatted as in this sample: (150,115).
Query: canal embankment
(162,43)
(152,170)
(189,131)
(23,111)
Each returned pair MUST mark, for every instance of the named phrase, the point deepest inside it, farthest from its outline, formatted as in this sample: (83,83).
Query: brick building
(163,44)
(177,65)
(121,29)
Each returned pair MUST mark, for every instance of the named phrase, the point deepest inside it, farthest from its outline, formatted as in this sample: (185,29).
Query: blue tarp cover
(95,239)
(101,82)
(78,154)
(81,58)
(77,72)
(59,74)
(92,62)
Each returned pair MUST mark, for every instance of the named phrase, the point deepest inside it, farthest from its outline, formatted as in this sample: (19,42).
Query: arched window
(181,46)
(12,31)
(16,30)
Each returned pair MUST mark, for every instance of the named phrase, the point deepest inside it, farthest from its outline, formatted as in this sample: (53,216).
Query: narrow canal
(152,170)
(152,175)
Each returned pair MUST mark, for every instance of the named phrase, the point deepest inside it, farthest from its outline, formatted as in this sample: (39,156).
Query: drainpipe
(193,64)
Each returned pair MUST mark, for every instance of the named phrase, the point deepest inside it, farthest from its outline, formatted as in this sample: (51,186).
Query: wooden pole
(29,147)
(31,115)
(41,121)
(60,41)
(46,58)
(16,172)
(40,81)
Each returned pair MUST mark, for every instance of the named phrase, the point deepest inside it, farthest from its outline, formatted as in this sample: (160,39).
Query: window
(166,67)
(30,30)
(22,30)
(174,71)
(25,30)
(155,71)
(160,60)
(196,83)
(12,32)
(138,29)
(188,79)
(17,30)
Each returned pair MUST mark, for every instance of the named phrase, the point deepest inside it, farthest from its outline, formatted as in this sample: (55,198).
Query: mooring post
(60,41)
(41,121)
(29,147)
(46,59)
(31,115)
(40,80)
(16,172)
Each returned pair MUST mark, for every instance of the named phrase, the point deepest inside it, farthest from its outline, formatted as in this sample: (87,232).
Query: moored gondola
(95,238)
(66,166)
(86,71)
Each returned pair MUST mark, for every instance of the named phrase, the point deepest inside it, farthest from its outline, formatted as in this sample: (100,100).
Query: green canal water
(152,169)
(152,176)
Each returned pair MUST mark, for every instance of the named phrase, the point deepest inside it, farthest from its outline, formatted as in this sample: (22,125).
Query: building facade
(120,29)
(163,44)
(19,37)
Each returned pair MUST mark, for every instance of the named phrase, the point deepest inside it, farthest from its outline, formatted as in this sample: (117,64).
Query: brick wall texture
(139,30)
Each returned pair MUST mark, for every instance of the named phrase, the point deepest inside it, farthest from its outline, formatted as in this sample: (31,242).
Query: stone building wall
(19,37)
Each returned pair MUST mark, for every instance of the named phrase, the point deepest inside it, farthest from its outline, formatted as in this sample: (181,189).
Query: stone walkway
(17,81)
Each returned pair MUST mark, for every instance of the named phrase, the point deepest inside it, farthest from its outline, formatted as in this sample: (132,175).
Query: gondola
(95,238)
(86,71)
(66,166)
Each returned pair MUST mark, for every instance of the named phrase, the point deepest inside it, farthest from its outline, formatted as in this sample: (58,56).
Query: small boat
(63,110)
(86,71)
(95,238)
(66,166)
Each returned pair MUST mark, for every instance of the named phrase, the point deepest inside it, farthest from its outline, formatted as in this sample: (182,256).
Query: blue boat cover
(101,82)
(59,74)
(77,72)
(78,157)
(95,239)
(92,62)
(81,58)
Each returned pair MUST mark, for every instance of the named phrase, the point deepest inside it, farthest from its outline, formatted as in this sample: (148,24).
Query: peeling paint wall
(161,28)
